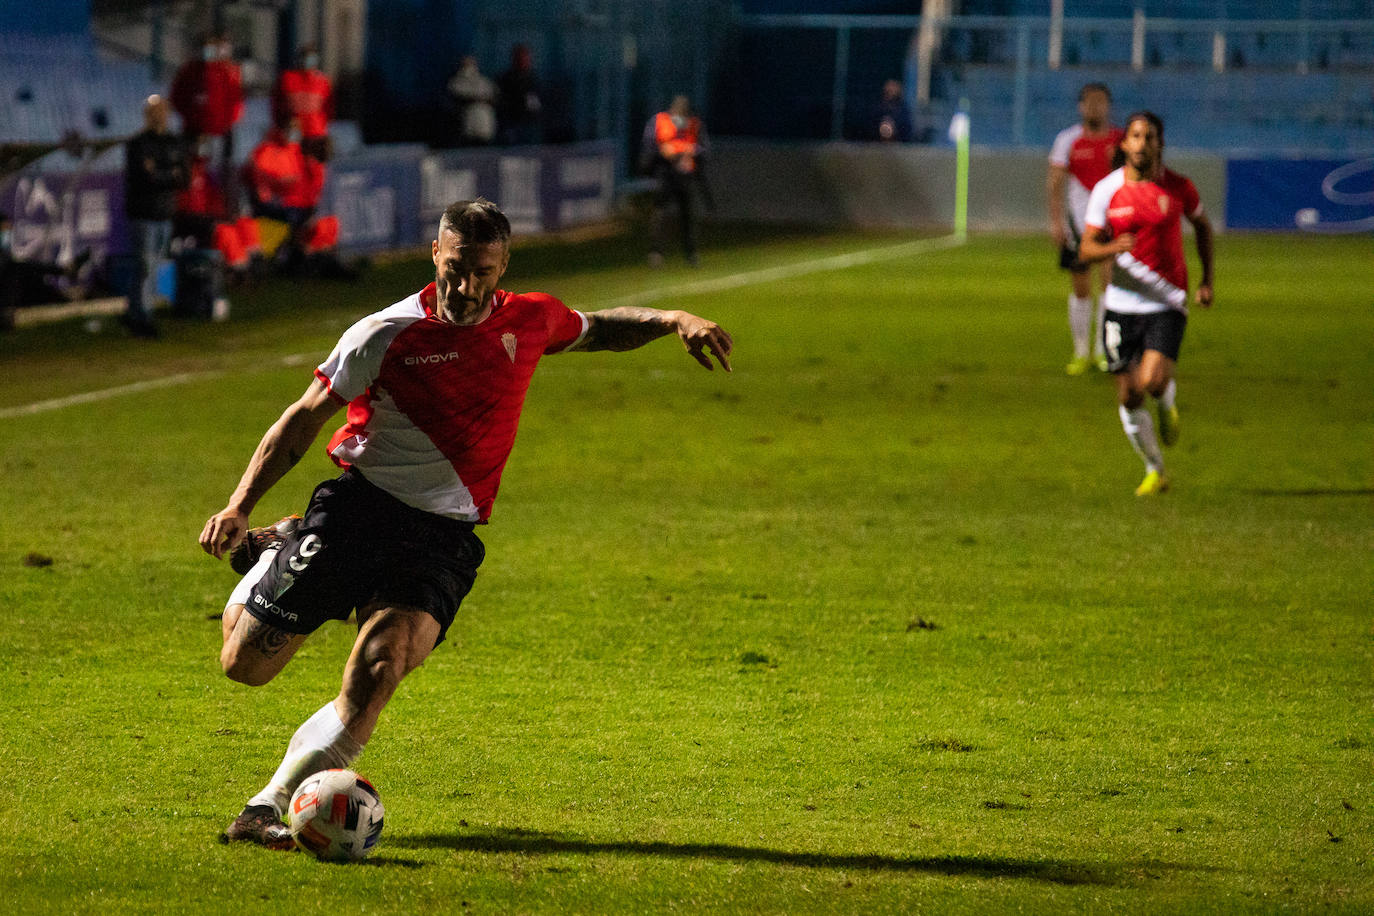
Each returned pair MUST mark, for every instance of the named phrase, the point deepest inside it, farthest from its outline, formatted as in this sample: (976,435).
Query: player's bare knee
(1131,398)
(242,671)
(1157,381)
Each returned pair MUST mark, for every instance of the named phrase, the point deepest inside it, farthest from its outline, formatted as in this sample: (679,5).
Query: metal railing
(1019,48)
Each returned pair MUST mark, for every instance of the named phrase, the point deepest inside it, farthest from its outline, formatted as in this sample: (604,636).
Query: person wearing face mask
(283,182)
(207,92)
(306,94)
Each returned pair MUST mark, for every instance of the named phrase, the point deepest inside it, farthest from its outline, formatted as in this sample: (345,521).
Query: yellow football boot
(1153,484)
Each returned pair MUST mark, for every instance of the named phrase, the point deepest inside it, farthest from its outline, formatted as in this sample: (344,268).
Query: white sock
(1166,399)
(1081,324)
(1098,351)
(322,743)
(1140,429)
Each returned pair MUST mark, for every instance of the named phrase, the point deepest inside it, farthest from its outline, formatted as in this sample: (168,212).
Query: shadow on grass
(533,843)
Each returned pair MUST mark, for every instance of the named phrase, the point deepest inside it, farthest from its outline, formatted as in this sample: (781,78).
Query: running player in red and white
(1134,219)
(433,387)
(1081,157)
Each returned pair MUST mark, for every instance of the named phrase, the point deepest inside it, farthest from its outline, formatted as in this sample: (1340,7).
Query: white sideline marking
(713,285)
(104,394)
(787,271)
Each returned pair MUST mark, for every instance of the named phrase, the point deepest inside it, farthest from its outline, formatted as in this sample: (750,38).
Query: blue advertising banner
(1326,196)
(375,193)
(540,188)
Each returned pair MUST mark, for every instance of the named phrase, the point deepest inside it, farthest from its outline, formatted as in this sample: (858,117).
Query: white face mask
(209,52)
(5,236)
(312,61)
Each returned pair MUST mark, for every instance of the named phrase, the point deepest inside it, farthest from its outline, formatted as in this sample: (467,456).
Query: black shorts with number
(358,544)
(1126,337)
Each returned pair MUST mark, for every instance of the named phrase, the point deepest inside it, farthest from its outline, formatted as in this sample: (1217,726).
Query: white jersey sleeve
(356,360)
(1063,143)
(1101,198)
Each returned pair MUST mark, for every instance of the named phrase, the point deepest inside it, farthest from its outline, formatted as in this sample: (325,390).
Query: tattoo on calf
(266,638)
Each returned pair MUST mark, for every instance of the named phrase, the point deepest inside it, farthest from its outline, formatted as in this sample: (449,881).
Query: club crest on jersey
(1164,203)
(508,340)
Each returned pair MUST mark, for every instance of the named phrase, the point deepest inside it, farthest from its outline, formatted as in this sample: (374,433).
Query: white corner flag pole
(959,133)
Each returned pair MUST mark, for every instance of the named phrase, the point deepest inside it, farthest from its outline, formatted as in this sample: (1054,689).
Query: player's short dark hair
(478,221)
(1094,87)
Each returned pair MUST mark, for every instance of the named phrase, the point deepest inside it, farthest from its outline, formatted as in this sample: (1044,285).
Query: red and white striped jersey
(1152,276)
(1088,159)
(432,406)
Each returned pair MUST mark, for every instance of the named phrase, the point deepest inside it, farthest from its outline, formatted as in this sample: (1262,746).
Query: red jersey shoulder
(1181,187)
(561,325)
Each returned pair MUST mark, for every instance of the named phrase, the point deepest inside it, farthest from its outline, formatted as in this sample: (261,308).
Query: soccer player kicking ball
(434,386)
(1133,218)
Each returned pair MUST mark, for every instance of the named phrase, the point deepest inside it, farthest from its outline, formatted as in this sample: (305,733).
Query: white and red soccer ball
(336,815)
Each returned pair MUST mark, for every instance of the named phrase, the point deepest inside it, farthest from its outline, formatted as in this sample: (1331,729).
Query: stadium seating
(52,85)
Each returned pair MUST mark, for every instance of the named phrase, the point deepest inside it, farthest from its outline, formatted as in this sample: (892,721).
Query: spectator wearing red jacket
(201,203)
(207,92)
(306,94)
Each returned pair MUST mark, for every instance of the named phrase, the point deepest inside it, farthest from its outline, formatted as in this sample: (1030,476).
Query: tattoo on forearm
(624,328)
(266,638)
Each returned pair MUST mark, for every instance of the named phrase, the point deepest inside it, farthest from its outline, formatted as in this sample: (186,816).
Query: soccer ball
(337,815)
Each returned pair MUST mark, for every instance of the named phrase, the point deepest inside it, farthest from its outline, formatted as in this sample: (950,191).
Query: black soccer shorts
(358,544)
(1125,337)
(1068,258)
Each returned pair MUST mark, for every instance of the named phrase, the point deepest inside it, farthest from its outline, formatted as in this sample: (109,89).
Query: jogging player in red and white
(1134,219)
(433,386)
(1081,157)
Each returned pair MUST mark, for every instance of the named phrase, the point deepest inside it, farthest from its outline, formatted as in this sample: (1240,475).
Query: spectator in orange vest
(674,146)
(283,182)
(306,94)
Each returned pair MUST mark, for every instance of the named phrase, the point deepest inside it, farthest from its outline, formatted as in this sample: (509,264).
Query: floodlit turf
(874,624)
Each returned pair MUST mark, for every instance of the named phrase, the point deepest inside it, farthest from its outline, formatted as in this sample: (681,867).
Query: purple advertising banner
(56,216)
(384,197)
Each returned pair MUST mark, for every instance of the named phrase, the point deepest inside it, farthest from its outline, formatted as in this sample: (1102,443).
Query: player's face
(466,275)
(1094,108)
(1142,145)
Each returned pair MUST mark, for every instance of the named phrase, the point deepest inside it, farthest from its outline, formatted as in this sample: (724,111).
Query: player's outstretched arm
(630,327)
(1202,230)
(279,451)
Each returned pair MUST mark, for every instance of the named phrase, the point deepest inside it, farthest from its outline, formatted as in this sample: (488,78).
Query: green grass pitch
(873,624)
